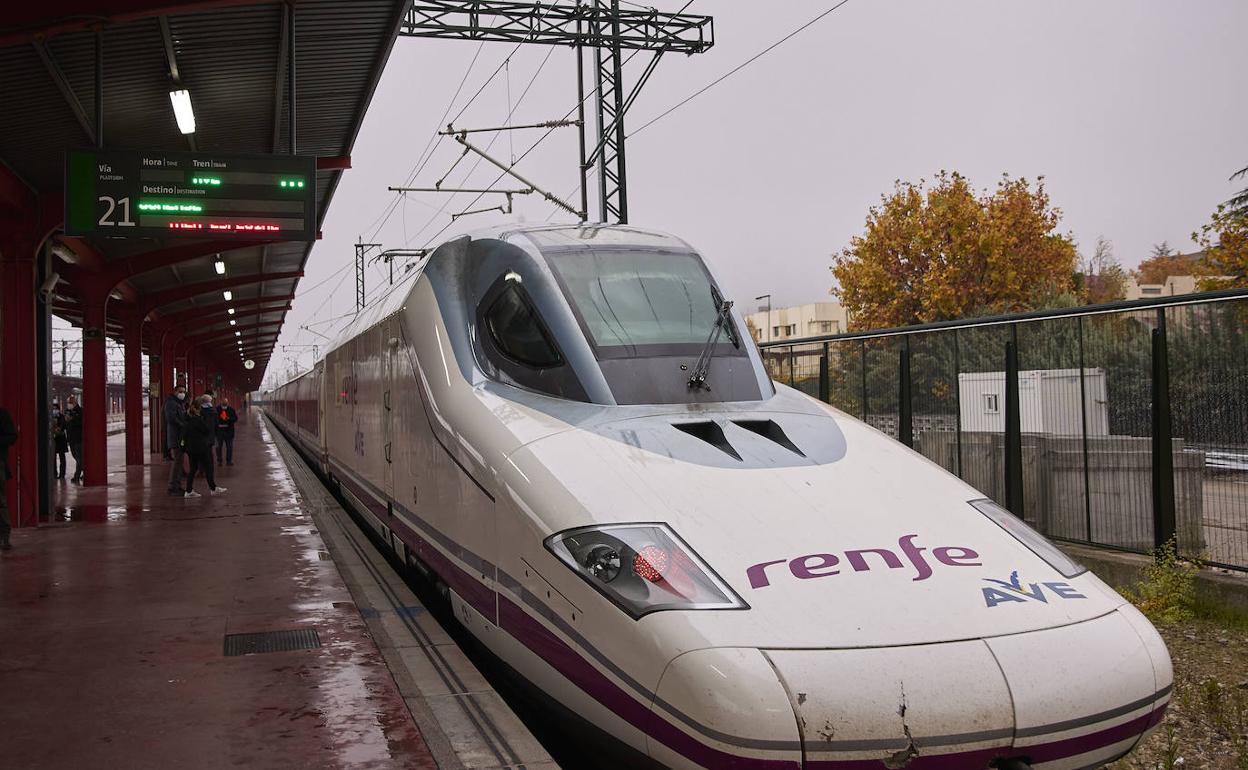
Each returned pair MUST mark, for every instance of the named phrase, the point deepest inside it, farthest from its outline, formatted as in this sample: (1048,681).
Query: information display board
(127,194)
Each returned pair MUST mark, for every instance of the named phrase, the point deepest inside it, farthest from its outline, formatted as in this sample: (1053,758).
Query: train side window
(518,347)
(517,332)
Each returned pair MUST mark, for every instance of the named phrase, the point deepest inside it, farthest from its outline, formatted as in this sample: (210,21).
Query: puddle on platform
(98,512)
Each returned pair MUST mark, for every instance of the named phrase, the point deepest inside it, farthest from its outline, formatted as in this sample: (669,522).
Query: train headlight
(1035,541)
(643,568)
(603,562)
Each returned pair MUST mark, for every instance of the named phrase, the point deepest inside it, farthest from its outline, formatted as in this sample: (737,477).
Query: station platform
(137,631)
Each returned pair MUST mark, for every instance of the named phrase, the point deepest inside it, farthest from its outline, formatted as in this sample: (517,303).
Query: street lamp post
(768,298)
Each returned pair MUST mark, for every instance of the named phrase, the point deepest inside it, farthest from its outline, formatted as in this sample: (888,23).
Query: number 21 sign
(127,194)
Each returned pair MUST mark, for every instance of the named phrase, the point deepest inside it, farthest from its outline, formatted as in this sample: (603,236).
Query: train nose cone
(723,708)
(1085,693)
(921,706)
(1063,698)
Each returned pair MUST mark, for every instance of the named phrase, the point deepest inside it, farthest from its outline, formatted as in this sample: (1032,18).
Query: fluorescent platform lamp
(233,322)
(238,334)
(230,310)
(65,253)
(229,295)
(182,110)
(219,265)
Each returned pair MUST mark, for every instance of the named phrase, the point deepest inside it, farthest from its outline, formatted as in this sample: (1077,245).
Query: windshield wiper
(697,380)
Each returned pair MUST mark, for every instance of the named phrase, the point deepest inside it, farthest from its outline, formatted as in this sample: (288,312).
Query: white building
(1174,285)
(1048,401)
(787,323)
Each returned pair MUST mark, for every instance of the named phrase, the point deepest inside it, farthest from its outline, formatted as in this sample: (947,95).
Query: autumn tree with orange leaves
(1225,242)
(1165,262)
(939,252)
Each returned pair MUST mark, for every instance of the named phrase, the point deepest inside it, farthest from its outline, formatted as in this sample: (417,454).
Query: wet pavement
(113,621)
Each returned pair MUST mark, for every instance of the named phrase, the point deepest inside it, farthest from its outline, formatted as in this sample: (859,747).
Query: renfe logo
(817,565)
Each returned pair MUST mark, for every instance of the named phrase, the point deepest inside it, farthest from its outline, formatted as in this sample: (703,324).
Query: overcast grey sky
(1135,112)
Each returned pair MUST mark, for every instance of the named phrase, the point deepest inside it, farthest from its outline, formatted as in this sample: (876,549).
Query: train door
(389,338)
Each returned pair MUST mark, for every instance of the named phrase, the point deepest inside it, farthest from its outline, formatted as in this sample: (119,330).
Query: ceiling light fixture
(233,322)
(182,111)
(65,253)
(229,295)
(230,310)
(219,265)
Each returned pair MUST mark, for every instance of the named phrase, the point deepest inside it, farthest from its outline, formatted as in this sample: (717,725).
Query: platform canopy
(233,59)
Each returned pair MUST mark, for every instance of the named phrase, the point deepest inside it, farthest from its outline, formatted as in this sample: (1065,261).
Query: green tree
(943,252)
(1239,202)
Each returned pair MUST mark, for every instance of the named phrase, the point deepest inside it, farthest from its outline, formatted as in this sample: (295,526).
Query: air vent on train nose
(711,433)
(770,430)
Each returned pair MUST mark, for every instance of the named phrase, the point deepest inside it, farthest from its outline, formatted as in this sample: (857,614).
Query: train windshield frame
(642,303)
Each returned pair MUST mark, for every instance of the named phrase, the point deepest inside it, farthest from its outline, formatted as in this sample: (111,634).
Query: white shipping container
(1048,401)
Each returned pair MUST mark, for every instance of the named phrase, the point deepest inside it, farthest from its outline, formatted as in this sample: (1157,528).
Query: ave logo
(1013,590)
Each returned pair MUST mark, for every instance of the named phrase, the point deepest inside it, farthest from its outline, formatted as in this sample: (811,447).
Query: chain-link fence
(1053,413)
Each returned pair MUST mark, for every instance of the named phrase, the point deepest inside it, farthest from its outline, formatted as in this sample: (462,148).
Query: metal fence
(1053,414)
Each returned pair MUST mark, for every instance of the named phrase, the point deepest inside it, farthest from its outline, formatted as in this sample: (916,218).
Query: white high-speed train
(567,426)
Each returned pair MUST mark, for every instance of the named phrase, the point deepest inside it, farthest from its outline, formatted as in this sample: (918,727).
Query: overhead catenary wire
(555,124)
(426,154)
(565,118)
(736,69)
(422,160)
(479,160)
(433,143)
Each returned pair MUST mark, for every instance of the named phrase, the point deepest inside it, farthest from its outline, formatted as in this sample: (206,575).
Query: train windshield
(641,303)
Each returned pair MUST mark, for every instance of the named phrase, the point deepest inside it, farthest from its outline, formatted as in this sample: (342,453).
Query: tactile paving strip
(271,641)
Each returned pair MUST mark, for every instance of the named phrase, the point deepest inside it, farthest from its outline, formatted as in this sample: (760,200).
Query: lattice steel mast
(601,25)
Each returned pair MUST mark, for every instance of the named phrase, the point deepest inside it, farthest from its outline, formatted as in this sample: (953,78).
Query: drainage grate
(271,641)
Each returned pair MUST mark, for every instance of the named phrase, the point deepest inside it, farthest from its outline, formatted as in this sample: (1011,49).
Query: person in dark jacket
(197,440)
(60,444)
(8,435)
(175,424)
(73,435)
(226,417)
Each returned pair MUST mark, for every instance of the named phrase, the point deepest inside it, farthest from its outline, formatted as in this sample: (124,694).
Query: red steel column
(94,385)
(133,339)
(19,368)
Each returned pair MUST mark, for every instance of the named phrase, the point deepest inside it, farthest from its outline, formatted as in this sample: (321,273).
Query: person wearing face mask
(73,435)
(60,444)
(197,439)
(226,417)
(175,425)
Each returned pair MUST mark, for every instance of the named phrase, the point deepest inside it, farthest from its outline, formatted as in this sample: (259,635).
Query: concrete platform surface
(113,625)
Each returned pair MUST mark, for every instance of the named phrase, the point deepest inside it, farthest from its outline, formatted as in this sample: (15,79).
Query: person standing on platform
(175,424)
(60,444)
(197,439)
(73,435)
(8,435)
(226,417)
